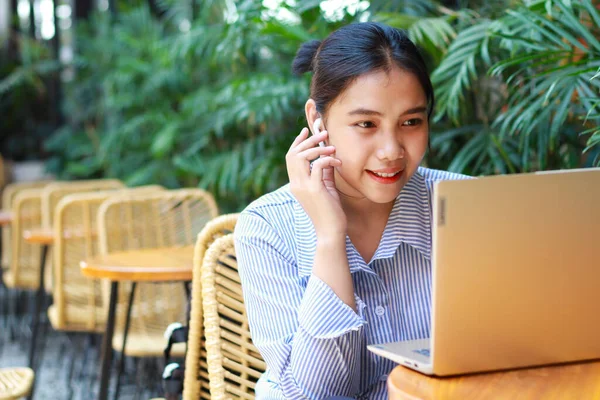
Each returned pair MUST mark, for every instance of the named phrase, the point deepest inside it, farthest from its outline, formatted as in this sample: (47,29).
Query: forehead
(384,91)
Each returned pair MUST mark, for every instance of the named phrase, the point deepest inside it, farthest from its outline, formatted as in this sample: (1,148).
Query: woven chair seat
(28,280)
(144,345)
(15,382)
(78,317)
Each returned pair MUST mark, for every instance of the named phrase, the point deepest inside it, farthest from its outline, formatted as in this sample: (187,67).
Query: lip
(386,180)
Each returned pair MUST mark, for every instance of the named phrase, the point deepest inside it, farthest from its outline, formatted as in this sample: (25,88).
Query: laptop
(515,275)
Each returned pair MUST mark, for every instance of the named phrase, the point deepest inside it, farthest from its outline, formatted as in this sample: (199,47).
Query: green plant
(527,77)
(24,100)
(205,96)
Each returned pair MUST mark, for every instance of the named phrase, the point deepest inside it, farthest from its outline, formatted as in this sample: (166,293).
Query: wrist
(331,239)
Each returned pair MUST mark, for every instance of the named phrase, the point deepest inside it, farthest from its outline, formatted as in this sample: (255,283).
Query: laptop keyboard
(423,352)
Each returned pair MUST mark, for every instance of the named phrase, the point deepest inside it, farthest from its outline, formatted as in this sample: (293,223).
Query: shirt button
(379,310)
(383,377)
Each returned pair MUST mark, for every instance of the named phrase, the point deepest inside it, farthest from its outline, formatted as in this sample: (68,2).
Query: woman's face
(379,128)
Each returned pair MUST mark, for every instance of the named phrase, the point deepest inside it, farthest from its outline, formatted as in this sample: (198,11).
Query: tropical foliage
(25,101)
(205,96)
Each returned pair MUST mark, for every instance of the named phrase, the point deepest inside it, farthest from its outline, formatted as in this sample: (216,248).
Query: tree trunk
(14,28)
(31,20)
(56,81)
(194,9)
(83,9)
(112,6)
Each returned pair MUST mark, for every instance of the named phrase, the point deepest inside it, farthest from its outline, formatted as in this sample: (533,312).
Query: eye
(413,122)
(366,124)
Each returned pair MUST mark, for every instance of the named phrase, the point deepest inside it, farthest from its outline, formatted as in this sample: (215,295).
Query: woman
(340,258)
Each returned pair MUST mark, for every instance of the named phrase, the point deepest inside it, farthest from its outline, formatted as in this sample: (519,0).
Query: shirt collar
(409,222)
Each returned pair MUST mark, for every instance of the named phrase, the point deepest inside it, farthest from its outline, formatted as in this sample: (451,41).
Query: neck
(362,212)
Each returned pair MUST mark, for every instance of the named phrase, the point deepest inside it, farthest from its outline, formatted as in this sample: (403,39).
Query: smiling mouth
(385,177)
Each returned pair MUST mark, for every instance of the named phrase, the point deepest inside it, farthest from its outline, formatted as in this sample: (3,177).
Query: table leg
(107,342)
(125,332)
(38,306)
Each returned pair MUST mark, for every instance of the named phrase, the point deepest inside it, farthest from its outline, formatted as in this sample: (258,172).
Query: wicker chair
(172,218)
(196,383)
(15,383)
(8,196)
(234,363)
(24,260)
(54,192)
(78,302)
(31,211)
(2,173)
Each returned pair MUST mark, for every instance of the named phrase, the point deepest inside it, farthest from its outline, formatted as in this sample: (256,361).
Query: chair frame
(196,368)
(219,389)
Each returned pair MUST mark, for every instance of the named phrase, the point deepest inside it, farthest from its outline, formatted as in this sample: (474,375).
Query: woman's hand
(315,189)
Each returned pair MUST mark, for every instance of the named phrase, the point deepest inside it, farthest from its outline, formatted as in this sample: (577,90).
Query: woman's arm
(310,338)
(331,267)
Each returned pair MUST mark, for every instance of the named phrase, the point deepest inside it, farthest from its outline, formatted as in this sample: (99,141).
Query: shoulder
(271,207)
(269,221)
(434,175)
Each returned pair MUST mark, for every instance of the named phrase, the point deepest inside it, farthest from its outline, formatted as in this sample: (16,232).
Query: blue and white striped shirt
(315,345)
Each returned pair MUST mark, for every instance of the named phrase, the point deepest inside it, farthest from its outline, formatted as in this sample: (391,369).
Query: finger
(300,138)
(316,152)
(316,174)
(311,142)
(298,168)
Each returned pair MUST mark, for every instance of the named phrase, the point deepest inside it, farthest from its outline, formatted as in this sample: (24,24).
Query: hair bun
(303,62)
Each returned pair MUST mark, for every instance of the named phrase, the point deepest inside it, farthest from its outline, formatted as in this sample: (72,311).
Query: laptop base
(414,354)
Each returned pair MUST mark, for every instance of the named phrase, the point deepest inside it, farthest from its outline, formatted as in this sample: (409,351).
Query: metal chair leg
(121,363)
(38,307)
(36,314)
(107,342)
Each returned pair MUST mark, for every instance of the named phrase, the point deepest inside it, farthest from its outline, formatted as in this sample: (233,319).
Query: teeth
(386,175)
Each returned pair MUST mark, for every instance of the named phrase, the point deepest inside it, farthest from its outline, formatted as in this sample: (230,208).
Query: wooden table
(567,381)
(41,236)
(146,265)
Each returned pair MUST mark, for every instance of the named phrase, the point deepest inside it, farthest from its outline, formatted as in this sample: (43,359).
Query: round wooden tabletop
(569,381)
(39,236)
(6,217)
(160,264)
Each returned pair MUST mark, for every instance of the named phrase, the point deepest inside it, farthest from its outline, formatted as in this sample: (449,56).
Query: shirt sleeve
(309,338)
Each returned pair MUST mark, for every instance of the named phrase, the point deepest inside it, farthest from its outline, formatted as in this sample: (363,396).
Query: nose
(390,147)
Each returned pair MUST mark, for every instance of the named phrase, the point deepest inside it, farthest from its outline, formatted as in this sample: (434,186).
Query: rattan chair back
(8,196)
(24,260)
(54,192)
(234,363)
(78,303)
(196,382)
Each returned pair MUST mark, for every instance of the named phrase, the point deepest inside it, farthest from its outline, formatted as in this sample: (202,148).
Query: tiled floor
(61,350)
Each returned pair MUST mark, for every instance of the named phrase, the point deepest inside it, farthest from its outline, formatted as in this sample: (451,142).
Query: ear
(310,108)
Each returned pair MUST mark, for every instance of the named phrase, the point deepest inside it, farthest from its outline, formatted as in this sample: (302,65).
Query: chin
(382,194)
(382,197)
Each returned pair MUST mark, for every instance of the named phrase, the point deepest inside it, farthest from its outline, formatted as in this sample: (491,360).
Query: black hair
(353,50)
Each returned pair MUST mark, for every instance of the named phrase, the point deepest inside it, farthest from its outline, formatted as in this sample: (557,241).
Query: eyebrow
(365,111)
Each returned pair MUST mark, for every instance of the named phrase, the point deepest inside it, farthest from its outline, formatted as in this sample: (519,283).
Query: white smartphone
(317,130)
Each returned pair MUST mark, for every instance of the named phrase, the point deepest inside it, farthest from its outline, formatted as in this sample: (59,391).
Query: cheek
(417,142)
(352,151)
